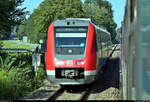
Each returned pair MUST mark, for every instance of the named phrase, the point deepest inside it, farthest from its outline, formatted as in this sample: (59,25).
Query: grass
(11,44)
(14,85)
(6,83)
(17,77)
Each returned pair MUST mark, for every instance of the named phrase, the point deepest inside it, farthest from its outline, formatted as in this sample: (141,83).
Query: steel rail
(113,51)
(84,95)
(56,94)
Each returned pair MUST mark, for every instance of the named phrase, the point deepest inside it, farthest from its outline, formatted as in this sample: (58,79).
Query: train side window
(132,10)
(96,46)
(101,47)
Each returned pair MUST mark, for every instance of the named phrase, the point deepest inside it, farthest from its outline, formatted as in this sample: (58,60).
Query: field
(16,44)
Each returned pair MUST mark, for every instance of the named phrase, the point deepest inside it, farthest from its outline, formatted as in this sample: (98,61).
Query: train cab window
(70,41)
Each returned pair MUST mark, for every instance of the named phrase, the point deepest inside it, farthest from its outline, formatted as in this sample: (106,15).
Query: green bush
(17,77)
(41,73)
(8,85)
(7,63)
(118,37)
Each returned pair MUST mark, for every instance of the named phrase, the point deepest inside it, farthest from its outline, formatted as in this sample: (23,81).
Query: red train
(76,51)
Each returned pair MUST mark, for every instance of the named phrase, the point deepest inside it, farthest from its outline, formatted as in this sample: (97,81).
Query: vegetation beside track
(17,77)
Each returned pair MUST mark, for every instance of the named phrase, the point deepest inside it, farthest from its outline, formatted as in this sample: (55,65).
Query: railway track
(61,90)
(56,93)
(84,94)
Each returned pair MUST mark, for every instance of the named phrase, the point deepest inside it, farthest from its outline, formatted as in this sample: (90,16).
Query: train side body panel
(135,75)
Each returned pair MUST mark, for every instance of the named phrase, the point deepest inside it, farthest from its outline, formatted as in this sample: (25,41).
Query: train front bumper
(89,77)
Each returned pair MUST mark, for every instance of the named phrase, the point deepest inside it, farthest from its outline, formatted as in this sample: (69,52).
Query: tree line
(10,16)
(36,26)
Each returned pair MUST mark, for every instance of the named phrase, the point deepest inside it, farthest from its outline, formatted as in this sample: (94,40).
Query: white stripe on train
(52,72)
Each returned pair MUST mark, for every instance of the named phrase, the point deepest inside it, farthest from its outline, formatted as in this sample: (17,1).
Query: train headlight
(80,62)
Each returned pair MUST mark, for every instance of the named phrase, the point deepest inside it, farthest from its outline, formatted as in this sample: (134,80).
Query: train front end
(71,52)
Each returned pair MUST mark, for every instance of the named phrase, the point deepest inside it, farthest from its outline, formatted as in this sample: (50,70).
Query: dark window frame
(86,31)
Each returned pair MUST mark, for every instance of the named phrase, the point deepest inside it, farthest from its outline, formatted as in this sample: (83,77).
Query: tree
(10,15)
(49,11)
(100,11)
(118,36)
(22,30)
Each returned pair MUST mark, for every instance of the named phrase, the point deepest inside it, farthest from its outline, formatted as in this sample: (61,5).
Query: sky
(117,6)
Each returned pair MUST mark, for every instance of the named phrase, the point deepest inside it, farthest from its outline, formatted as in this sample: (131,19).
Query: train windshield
(72,41)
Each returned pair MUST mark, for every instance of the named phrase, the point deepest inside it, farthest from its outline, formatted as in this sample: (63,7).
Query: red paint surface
(50,48)
(90,50)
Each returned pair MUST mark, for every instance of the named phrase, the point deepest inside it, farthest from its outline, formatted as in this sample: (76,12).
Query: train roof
(76,19)
(79,19)
(72,22)
(101,29)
